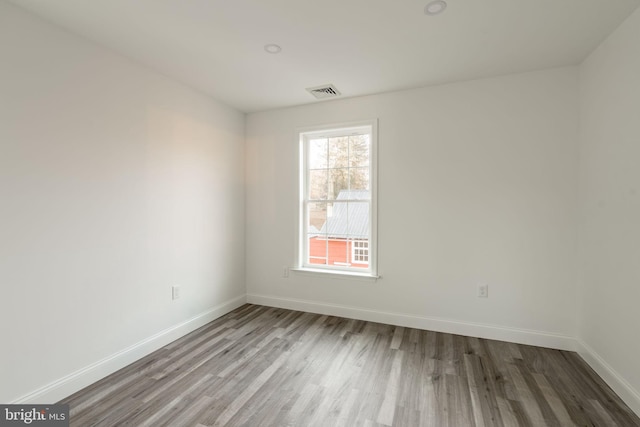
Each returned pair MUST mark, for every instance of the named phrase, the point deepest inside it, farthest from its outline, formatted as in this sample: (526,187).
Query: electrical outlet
(285,272)
(483,290)
(175,292)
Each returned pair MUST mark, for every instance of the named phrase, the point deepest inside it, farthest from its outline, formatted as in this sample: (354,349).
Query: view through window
(337,195)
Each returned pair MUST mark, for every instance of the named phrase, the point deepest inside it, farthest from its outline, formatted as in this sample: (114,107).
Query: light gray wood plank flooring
(263,366)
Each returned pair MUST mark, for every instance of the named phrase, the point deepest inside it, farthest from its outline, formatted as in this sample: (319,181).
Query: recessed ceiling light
(435,7)
(272,48)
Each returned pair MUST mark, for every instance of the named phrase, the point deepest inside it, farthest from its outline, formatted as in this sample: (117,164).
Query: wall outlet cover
(483,290)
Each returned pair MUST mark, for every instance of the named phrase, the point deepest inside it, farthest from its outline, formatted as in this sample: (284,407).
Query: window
(360,252)
(337,199)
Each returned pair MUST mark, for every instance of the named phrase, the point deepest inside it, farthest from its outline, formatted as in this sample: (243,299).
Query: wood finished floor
(262,366)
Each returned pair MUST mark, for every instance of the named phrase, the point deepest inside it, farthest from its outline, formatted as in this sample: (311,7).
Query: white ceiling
(361,46)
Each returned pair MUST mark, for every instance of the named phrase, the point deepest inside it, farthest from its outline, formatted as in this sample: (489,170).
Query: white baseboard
(494,332)
(76,381)
(69,384)
(627,393)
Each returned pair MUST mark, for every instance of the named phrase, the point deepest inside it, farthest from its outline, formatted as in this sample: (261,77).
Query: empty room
(331,213)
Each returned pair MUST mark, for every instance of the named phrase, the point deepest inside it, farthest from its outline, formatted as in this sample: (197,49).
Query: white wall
(477,183)
(610,208)
(115,183)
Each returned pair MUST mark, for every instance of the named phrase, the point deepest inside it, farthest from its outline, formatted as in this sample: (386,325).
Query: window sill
(336,274)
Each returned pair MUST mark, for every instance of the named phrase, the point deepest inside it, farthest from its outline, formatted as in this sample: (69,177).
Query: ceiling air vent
(324,91)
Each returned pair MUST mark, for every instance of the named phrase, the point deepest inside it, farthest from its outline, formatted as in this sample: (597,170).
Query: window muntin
(337,212)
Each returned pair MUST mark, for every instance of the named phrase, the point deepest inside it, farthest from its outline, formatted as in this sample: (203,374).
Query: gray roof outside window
(349,219)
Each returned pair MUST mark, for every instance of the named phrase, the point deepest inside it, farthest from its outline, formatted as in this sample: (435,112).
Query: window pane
(348,220)
(359,151)
(318,153)
(317,218)
(338,182)
(338,252)
(317,248)
(339,152)
(359,179)
(318,184)
(358,220)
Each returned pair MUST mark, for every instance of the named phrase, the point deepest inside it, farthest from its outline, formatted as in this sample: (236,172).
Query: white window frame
(341,129)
